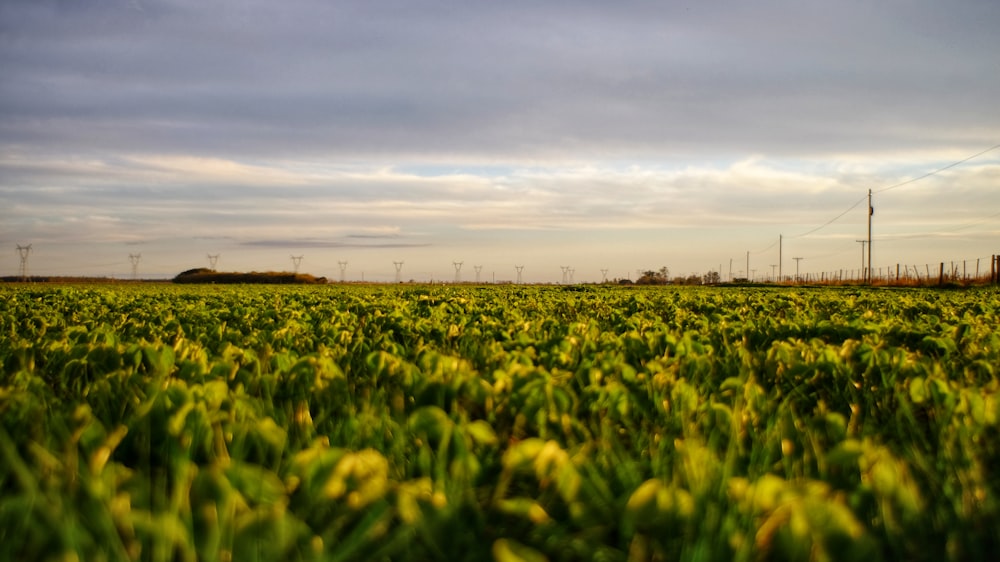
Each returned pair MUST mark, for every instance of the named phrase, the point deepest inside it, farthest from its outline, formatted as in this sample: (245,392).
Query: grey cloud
(319,122)
(313,243)
(511,80)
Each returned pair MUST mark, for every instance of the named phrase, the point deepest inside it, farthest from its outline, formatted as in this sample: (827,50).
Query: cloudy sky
(586,134)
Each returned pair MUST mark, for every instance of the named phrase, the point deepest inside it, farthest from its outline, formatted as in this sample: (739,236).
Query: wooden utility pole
(871,211)
(779,256)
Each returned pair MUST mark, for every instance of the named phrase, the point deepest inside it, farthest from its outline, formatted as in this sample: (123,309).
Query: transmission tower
(478,269)
(296,261)
(604,276)
(212,260)
(572,272)
(24,251)
(134,259)
(399,269)
(519,269)
(343,270)
(565,272)
(458,271)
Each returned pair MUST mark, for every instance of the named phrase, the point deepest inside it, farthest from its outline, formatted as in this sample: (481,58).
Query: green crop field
(172,423)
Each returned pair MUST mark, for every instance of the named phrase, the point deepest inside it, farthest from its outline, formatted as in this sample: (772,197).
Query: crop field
(239,423)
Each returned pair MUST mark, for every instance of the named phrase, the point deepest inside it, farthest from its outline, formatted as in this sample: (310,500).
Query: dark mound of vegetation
(205,275)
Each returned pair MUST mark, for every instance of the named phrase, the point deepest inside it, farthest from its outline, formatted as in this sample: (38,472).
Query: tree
(650,277)
(711,278)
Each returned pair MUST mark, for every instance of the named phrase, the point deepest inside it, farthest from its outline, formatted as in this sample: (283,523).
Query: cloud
(264,125)
(516,81)
(304,243)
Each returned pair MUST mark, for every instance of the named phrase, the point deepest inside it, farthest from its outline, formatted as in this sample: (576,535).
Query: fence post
(941,275)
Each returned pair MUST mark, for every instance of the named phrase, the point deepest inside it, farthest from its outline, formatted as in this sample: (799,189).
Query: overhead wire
(833,220)
(773,244)
(894,186)
(935,172)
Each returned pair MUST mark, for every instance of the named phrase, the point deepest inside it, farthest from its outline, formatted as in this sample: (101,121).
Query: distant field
(161,422)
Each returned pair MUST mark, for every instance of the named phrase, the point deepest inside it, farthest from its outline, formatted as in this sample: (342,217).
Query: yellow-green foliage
(507,423)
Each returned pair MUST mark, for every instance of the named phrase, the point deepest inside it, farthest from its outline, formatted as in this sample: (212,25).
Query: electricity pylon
(399,268)
(212,260)
(604,276)
(343,270)
(296,261)
(478,269)
(134,259)
(565,271)
(519,269)
(458,271)
(24,251)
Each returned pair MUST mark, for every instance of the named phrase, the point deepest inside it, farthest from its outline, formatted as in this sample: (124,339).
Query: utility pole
(862,242)
(519,269)
(780,274)
(773,265)
(296,261)
(24,251)
(134,259)
(399,268)
(212,260)
(748,265)
(797,260)
(343,270)
(871,211)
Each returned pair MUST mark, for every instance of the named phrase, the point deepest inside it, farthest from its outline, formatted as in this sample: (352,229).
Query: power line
(773,244)
(972,223)
(929,174)
(894,186)
(834,219)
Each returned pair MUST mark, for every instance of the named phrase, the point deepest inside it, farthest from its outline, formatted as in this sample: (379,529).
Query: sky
(576,140)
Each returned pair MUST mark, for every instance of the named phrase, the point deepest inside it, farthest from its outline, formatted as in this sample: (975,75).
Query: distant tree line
(662,277)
